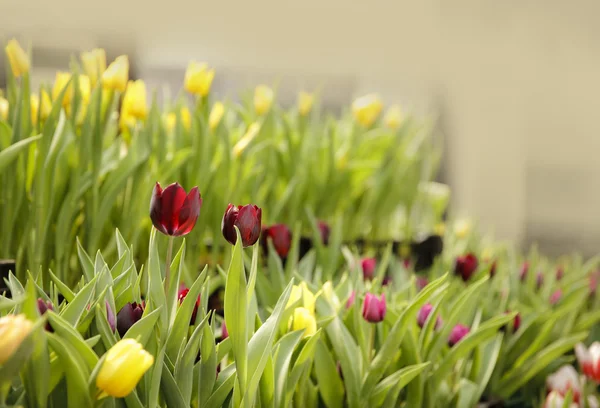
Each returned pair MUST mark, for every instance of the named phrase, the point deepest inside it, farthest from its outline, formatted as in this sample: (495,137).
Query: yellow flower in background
(117,74)
(305,103)
(304,319)
(18,59)
(462,228)
(367,109)
(61,80)
(393,117)
(198,78)
(263,99)
(170,120)
(301,292)
(85,88)
(134,100)
(94,64)
(216,114)
(3,109)
(186,118)
(13,330)
(243,143)
(126,121)
(123,367)
(328,292)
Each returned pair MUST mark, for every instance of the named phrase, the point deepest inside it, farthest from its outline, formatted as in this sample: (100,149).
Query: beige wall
(515,82)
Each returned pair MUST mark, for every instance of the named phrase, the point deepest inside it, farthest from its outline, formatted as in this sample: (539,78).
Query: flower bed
(322,292)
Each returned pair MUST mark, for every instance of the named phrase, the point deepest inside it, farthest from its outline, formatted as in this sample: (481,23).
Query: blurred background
(513,85)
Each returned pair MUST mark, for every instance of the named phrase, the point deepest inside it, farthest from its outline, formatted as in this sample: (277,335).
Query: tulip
(493,269)
(117,74)
(305,103)
(524,271)
(373,308)
(351,299)
(224,332)
(126,121)
(134,100)
(172,211)
(40,108)
(560,272)
(181,295)
(43,306)
(94,64)
(128,316)
(462,228)
(3,108)
(124,365)
(458,332)
(589,360)
(263,99)
(539,280)
(367,109)
(281,237)
(420,283)
(465,266)
(555,297)
(186,118)
(243,143)
(248,220)
(303,293)
(198,78)
(393,117)
(304,319)
(60,82)
(17,58)
(368,268)
(516,322)
(563,380)
(424,313)
(325,232)
(110,317)
(13,330)
(216,114)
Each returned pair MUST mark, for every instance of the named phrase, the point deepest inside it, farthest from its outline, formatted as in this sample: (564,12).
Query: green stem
(371,352)
(168,264)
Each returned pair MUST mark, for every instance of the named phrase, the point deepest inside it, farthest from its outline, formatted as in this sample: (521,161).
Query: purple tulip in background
(368,268)
(374,308)
(128,316)
(458,332)
(110,317)
(43,306)
(424,313)
(325,232)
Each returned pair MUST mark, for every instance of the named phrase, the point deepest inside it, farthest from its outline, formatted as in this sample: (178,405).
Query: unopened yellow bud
(304,319)
(216,114)
(18,59)
(305,103)
(134,101)
(13,330)
(367,109)
(3,109)
(263,99)
(393,117)
(94,64)
(198,78)
(117,74)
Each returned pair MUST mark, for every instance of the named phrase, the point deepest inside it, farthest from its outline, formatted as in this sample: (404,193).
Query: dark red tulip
(539,280)
(110,317)
(128,316)
(248,220)
(524,271)
(351,300)
(424,313)
(560,272)
(181,295)
(421,282)
(458,332)
(465,266)
(173,212)
(368,268)
(387,279)
(374,308)
(555,297)
(43,306)
(325,231)
(281,237)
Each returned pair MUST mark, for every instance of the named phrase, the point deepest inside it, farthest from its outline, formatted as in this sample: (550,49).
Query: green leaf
(73,311)
(184,366)
(223,387)
(64,289)
(10,154)
(155,378)
(156,291)
(207,366)
(143,328)
(395,382)
(283,357)
(170,389)
(73,338)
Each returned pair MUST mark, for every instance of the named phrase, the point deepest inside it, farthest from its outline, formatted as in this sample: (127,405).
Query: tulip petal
(188,212)
(249,225)
(156,208)
(171,202)
(227,223)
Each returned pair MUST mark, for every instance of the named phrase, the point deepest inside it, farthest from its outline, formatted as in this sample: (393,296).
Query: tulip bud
(555,297)
(94,64)
(60,82)
(393,117)
(198,78)
(305,103)
(117,74)
(524,271)
(248,137)
(248,220)
(374,309)
(128,316)
(303,319)
(325,232)
(216,114)
(13,330)
(43,306)
(458,332)
(110,317)
(351,299)
(367,109)
(281,237)
(301,292)
(3,109)
(40,108)
(224,332)
(18,59)
(560,272)
(420,283)
(368,268)
(465,266)
(424,313)
(124,365)
(181,295)
(263,99)
(539,280)
(134,100)
(172,211)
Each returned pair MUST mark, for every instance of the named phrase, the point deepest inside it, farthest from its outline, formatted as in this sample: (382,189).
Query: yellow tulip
(216,114)
(3,109)
(62,78)
(94,63)
(462,228)
(393,117)
(198,78)
(263,99)
(126,121)
(186,118)
(305,103)
(85,88)
(123,367)
(13,330)
(170,121)
(367,109)
(117,74)
(243,143)
(18,59)
(304,319)
(134,101)
(301,292)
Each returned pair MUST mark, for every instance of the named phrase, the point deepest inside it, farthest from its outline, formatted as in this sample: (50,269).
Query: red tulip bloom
(493,269)
(516,322)
(43,306)
(281,237)
(173,212)
(465,266)
(458,332)
(128,316)
(374,309)
(181,295)
(368,268)
(248,220)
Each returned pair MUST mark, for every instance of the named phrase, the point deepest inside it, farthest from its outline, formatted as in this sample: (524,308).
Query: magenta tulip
(424,313)
(374,308)
(368,268)
(458,332)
